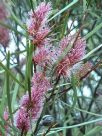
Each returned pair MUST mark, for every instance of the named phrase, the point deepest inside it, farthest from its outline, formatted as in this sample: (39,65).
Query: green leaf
(19,22)
(74,83)
(64,9)
(2,130)
(84,5)
(91,52)
(82,110)
(8,124)
(18,52)
(98,27)
(15,91)
(3,100)
(8,88)
(11,28)
(94,131)
(31,4)
(2,71)
(55,130)
(29,68)
(13,76)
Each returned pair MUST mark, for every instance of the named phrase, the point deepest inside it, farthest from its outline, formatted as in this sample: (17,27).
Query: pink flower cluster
(4,32)
(72,56)
(40,81)
(49,56)
(44,55)
(30,109)
(38,28)
(22,120)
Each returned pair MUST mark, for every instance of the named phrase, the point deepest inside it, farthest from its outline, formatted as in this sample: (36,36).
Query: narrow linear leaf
(2,129)
(93,31)
(64,9)
(8,124)
(84,111)
(15,92)
(2,71)
(8,87)
(94,131)
(31,3)
(13,76)
(29,68)
(91,52)
(55,130)
(17,20)
(11,28)
(73,83)
(81,124)
(3,100)
(18,52)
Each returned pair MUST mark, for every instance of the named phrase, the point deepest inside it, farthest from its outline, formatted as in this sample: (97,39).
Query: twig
(52,126)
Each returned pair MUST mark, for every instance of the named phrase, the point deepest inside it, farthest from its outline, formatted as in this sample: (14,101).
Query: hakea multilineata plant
(45,57)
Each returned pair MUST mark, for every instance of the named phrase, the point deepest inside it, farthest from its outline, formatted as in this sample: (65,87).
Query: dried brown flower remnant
(85,68)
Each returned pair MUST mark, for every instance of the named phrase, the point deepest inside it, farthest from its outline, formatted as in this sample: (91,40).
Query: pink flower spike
(37,99)
(74,55)
(5,115)
(43,57)
(77,51)
(65,41)
(63,67)
(3,14)
(33,106)
(40,38)
(40,81)
(22,120)
(4,36)
(42,12)
(38,28)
